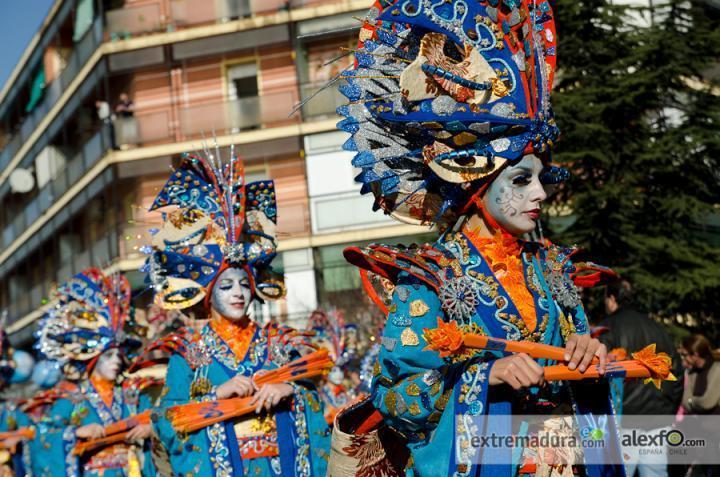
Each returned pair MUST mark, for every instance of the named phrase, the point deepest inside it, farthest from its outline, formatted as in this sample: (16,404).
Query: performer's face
(514,198)
(108,365)
(231,296)
(336,375)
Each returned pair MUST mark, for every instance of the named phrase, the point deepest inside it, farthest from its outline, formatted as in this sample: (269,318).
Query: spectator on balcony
(125,107)
(125,124)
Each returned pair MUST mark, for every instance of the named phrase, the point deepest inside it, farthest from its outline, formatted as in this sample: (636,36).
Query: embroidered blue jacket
(438,403)
(87,407)
(292,440)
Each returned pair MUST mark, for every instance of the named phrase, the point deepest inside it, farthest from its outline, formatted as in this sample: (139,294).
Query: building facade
(110,93)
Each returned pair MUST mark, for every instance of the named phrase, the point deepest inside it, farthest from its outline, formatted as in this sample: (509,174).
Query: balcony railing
(81,54)
(91,152)
(222,117)
(126,22)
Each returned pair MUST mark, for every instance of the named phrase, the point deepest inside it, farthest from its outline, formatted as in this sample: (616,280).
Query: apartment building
(108,95)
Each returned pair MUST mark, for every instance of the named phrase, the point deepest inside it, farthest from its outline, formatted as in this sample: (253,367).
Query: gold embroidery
(263,425)
(384,381)
(409,338)
(412,389)
(442,401)
(418,308)
(434,417)
(435,388)
(382,256)
(391,402)
(376,368)
(414,409)
(200,387)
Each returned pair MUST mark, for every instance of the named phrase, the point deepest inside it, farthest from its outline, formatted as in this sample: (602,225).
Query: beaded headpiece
(444,93)
(88,319)
(332,333)
(219,222)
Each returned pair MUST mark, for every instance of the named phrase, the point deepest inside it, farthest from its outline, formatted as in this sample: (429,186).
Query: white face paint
(231,296)
(514,198)
(336,375)
(108,365)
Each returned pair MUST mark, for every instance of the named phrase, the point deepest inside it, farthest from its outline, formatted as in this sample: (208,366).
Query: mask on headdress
(443,95)
(220,222)
(89,319)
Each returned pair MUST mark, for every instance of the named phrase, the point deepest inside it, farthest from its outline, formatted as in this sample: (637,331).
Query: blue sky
(19,20)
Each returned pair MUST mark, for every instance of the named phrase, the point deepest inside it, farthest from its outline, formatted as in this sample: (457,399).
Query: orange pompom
(446,339)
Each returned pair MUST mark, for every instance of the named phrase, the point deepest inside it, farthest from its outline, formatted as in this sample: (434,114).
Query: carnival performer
(340,339)
(14,452)
(215,248)
(86,332)
(46,450)
(450,116)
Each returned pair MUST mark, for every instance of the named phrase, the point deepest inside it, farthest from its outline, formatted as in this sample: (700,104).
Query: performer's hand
(239,386)
(139,432)
(90,431)
(581,349)
(270,395)
(11,443)
(519,371)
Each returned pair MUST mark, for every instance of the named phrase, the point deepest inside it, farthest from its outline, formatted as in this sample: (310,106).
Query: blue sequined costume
(222,222)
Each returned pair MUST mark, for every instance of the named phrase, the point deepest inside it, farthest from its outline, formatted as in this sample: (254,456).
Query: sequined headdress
(333,333)
(444,93)
(89,318)
(219,221)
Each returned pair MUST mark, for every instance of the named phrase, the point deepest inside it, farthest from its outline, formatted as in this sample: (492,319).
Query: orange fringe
(502,253)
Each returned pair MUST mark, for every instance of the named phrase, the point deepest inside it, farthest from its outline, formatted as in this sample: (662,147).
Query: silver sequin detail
(443,105)
(500,144)
(481,128)
(504,110)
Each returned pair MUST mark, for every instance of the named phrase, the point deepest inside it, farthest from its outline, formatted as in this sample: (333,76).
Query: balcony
(89,154)
(81,54)
(131,21)
(158,127)
(220,118)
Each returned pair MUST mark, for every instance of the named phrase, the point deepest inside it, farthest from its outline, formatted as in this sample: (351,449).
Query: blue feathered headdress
(444,93)
(219,221)
(88,319)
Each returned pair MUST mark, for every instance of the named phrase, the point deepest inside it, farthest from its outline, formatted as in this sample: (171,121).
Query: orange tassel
(659,365)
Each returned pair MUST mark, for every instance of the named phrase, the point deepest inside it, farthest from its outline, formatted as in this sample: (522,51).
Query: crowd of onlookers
(695,394)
